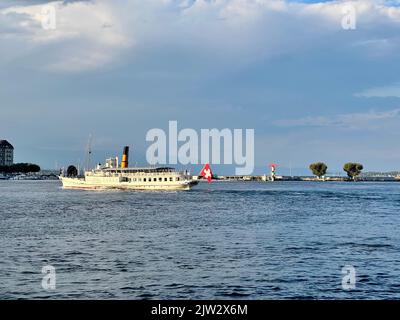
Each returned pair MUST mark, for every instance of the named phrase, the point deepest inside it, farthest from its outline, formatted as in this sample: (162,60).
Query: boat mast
(88,152)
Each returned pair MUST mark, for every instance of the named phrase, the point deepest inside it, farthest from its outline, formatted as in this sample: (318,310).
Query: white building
(6,153)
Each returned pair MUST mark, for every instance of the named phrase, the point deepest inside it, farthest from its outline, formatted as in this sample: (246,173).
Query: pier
(267,179)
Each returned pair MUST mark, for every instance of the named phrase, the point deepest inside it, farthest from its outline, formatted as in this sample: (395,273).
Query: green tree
(72,171)
(353,169)
(319,169)
(20,168)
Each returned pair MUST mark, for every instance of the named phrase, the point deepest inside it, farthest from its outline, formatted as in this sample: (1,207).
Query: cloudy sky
(312,90)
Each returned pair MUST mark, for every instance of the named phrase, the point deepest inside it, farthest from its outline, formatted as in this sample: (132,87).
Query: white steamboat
(113,176)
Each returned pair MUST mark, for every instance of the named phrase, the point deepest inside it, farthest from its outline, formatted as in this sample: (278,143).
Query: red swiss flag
(206,172)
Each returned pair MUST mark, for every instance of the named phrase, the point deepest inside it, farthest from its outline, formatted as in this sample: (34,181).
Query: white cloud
(92,34)
(87,35)
(381,92)
(367,120)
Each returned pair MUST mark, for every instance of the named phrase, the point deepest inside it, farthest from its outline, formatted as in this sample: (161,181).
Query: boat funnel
(125,158)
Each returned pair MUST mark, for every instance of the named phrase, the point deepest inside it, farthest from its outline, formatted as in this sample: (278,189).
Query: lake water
(248,240)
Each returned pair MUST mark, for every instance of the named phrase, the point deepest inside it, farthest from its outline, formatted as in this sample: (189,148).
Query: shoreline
(30,177)
(301,179)
(54,177)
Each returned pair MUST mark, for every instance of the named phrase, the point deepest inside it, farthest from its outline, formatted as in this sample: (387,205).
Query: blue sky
(311,90)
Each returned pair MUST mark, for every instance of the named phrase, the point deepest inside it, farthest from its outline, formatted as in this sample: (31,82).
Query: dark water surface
(224,240)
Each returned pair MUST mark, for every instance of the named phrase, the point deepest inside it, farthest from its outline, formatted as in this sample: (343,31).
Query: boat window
(177,178)
(171,179)
(155,179)
(165,179)
(160,179)
(144,179)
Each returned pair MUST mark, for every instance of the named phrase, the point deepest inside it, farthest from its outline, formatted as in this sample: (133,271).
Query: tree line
(20,168)
(352,169)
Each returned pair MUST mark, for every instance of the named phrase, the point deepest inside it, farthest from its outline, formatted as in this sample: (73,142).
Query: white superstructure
(111,176)
(131,178)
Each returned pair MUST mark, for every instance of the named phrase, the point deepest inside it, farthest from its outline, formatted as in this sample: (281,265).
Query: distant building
(6,153)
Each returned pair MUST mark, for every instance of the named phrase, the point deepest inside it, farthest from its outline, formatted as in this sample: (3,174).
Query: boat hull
(81,183)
